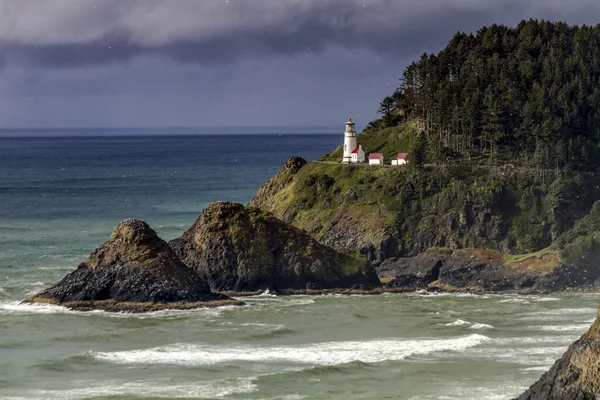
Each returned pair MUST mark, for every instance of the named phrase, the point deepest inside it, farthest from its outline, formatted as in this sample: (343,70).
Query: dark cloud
(394,28)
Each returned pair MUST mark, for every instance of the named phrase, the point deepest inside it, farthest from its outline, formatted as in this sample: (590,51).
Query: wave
(529,356)
(520,301)
(474,325)
(557,339)
(481,326)
(544,299)
(566,311)
(560,328)
(327,353)
(38,308)
(147,389)
(458,322)
(41,308)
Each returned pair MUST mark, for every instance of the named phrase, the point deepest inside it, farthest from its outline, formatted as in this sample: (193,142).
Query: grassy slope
(468,205)
(389,142)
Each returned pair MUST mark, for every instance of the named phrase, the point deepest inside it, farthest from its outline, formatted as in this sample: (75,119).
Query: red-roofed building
(358,155)
(401,160)
(375,159)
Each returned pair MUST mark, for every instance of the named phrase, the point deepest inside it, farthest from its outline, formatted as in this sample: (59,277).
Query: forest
(527,95)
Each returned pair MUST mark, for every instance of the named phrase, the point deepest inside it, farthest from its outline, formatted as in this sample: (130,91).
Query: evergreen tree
(527,94)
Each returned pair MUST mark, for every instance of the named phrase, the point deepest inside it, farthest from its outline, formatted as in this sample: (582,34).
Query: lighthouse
(349,141)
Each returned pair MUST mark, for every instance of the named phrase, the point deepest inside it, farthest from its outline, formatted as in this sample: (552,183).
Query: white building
(349,141)
(401,160)
(358,155)
(375,159)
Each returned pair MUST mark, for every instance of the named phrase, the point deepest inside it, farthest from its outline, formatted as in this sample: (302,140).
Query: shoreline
(131,307)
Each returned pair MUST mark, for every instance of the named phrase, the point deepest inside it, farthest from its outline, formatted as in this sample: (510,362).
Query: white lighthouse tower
(349,141)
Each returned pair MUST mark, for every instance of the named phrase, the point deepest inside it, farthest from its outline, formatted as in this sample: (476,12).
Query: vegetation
(502,128)
(527,94)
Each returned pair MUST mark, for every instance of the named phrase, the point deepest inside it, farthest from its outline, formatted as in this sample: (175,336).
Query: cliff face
(576,376)
(134,266)
(237,248)
(403,211)
(477,270)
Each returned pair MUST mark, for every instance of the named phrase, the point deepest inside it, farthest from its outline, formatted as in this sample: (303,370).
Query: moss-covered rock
(134,268)
(237,248)
(576,375)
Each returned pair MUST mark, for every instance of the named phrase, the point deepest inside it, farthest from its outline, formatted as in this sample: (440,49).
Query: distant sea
(61,194)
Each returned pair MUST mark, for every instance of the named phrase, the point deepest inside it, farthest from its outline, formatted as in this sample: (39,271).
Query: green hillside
(502,128)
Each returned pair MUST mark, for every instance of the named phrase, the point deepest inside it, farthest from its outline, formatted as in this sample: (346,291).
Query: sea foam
(327,353)
(217,389)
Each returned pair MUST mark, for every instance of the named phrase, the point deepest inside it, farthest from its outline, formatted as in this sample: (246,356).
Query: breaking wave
(327,353)
(150,389)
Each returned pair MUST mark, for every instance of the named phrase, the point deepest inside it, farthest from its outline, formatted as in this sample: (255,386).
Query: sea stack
(244,249)
(134,271)
(576,375)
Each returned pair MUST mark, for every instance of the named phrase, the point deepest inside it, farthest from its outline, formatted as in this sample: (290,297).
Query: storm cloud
(228,62)
(84,33)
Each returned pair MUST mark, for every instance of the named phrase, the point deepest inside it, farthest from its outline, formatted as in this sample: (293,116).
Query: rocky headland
(575,376)
(134,271)
(481,271)
(244,249)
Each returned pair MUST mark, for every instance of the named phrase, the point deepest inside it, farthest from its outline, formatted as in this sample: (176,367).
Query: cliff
(576,375)
(391,212)
(133,271)
(237,248)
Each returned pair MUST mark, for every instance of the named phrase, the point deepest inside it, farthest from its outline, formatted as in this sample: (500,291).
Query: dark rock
(576,376)
(134,266)
(237,248)
(416,272)
(470,270)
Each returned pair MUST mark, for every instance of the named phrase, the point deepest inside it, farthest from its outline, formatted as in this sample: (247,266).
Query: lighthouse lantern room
(349,141)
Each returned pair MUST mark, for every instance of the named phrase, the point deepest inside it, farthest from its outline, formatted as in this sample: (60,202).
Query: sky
(228,63)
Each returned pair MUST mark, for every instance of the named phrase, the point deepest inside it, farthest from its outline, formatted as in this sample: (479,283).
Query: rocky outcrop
(279,181)
(478,270)
(576,376)
(133,269)
(237,248)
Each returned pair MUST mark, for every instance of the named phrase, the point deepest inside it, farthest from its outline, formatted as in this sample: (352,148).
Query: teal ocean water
(60,197)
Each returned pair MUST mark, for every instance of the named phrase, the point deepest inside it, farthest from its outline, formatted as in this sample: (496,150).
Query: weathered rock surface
(134,267)
(279,181)
(237,248)
(477,270)
(576,376)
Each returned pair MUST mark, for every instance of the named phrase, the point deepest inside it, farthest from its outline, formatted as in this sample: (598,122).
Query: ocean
(61,196)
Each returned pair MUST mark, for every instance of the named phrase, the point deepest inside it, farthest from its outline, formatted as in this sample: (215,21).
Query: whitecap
(557,339)
(481,326)
(565,311)
(541,368)
(560,328)
(43,308)
(528,356)
(36,308)
(521,301)
(458,322)
(217,389)
(327,353)
(544,299)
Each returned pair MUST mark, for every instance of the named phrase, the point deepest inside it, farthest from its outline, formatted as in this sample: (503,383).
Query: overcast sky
(227,62)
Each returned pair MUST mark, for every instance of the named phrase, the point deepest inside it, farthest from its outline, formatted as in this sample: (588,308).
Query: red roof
(356,150)
(350,122)
(402,156)
(375,156)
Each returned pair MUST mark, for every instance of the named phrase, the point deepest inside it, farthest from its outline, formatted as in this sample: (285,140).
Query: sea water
(60,197)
